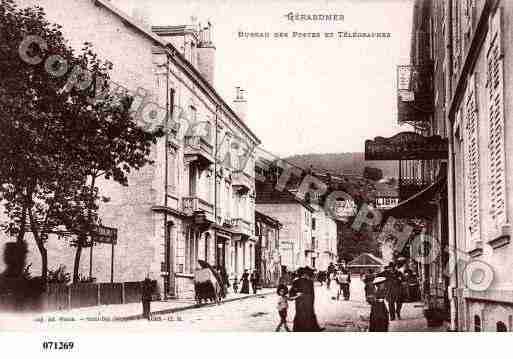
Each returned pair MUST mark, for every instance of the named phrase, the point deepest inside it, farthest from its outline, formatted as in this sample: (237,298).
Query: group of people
(302,293)
(386,292)
(246,279)
(341,275)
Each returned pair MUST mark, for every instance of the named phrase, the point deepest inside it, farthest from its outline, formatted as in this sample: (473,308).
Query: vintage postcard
(255,166)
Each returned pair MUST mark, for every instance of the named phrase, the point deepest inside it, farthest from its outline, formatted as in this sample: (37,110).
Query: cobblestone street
(250,314)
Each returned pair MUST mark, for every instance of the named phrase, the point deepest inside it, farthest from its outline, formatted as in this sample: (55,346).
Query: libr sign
(386,202)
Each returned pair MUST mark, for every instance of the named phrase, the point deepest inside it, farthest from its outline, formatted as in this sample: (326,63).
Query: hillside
(344,163)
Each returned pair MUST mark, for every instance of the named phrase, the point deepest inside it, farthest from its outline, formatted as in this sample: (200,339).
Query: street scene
(283,169)
(253,314)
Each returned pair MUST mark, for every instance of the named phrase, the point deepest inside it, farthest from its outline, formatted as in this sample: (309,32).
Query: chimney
(206,53)
(240,103)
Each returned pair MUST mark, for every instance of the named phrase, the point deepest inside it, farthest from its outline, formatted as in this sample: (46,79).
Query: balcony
(199,209)
(242,182)
(415,95)
(411,186)
(198,149)
(242,226)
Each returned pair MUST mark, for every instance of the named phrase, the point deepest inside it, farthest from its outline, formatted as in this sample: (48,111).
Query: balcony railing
(242,226)
(241,181)
(197,148)
(195,204)
(410,186)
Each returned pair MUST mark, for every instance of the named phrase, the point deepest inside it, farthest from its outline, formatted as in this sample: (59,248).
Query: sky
(305,95)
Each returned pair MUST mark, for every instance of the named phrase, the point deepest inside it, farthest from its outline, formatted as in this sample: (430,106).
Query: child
(235,285)
(283,306)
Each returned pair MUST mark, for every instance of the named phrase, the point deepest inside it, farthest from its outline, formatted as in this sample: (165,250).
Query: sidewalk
(133,311)
(413,320)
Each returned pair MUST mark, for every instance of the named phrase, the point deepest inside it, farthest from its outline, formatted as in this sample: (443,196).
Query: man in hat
(379,313)
(394,281)
(13,286)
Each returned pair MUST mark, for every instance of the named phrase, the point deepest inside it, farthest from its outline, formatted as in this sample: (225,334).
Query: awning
(420,205)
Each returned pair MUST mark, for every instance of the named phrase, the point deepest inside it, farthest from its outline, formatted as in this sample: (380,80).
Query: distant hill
(344,163)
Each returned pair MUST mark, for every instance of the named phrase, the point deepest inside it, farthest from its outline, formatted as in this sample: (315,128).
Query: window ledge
(184,275)
(501,238)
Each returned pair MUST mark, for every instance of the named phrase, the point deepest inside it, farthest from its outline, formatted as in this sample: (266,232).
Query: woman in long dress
(245,282)
(302,291)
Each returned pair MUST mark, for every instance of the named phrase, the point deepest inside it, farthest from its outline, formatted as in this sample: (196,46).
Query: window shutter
(471,121)
(496,145)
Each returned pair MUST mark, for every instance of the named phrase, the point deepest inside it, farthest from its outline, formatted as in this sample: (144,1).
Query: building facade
(481,181)
(461,59)
(324,239)
(267,250)
(197,199)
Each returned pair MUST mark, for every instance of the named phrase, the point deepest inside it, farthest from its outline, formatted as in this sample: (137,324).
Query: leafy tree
(56,136)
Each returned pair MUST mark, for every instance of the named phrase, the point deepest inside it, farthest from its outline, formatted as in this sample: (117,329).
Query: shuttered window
(496,145)
(471,123)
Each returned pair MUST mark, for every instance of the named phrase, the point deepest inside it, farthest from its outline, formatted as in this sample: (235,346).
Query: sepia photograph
(255,166)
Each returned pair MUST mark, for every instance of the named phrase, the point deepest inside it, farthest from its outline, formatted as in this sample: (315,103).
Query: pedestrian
(147,292)
(245,282)
(302,291)
(235,284)
(330,272)
(343,278)
(226,280)
(378,321)
(283,306)
(13,286)
(394,291)
(369,288)
(253,278)
(321,277)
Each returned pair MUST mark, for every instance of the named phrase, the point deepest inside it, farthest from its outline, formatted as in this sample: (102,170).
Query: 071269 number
(58,345)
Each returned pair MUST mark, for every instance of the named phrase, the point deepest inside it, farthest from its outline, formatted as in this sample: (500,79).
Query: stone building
(480,125)
(462,61)
(295,214)
(267,250)
(324,239)
(197,200)
(421,215)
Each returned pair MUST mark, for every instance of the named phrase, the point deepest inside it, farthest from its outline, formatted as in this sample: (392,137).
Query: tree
(374,174)
(57,138)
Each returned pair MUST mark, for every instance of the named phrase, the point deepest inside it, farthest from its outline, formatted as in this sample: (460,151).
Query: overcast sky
(304,95)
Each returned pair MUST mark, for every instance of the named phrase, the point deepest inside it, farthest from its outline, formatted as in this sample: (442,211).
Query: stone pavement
(133,311)
(239,313)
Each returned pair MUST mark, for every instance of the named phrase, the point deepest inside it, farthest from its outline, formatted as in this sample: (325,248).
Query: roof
(180,60)
(266,192)
(366,259)
(268,219)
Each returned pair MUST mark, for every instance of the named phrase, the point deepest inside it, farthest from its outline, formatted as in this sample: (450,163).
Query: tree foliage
(56,135)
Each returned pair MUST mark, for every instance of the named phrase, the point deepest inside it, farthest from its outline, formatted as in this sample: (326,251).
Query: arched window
(477,323)
(501,327)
